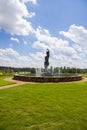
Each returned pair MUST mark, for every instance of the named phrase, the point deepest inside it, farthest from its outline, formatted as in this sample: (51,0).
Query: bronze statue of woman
(46,63)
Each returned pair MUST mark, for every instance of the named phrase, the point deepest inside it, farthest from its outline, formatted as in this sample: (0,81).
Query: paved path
(17,83)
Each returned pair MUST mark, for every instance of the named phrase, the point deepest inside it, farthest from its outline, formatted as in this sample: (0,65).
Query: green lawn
(84,75)
(3,82)
(44,107)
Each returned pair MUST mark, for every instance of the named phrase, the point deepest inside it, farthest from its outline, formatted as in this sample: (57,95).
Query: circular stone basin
(47,79)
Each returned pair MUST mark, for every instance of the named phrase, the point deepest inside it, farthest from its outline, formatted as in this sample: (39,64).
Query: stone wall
(47,79)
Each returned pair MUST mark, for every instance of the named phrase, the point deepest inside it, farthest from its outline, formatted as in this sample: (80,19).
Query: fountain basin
(47,79)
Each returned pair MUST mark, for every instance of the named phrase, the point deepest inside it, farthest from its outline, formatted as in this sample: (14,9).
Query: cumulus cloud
(38,59)
(8,51)
(63,52)
(78,48)
(10,57)
(77,34)
(13,16)
(43,35)
(14,39)
(56,45)
(40,45)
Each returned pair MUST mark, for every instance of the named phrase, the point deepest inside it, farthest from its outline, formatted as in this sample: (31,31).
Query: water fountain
(38,72)
(47,76)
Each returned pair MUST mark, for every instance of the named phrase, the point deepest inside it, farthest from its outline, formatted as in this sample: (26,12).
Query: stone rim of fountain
(47,79)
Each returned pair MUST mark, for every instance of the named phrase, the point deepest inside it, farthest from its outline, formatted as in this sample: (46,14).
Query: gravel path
(17,83)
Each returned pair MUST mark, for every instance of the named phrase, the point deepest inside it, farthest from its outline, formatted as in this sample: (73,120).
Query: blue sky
(29,27)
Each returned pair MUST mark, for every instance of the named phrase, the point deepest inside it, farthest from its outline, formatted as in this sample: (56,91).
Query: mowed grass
(84,75)
(3,82)
(44,107)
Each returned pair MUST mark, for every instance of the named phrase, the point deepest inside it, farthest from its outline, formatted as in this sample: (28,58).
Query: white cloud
(25,43)
(13,16)
(43,35)
(39,45)
(68,51)
(56,45)
(77,34)
(38,59)
(8,51)
(10,57)
(78,48)
(14,39)
(37,56)
(63,53)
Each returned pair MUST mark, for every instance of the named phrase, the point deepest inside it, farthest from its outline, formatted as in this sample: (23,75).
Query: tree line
(55,69)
